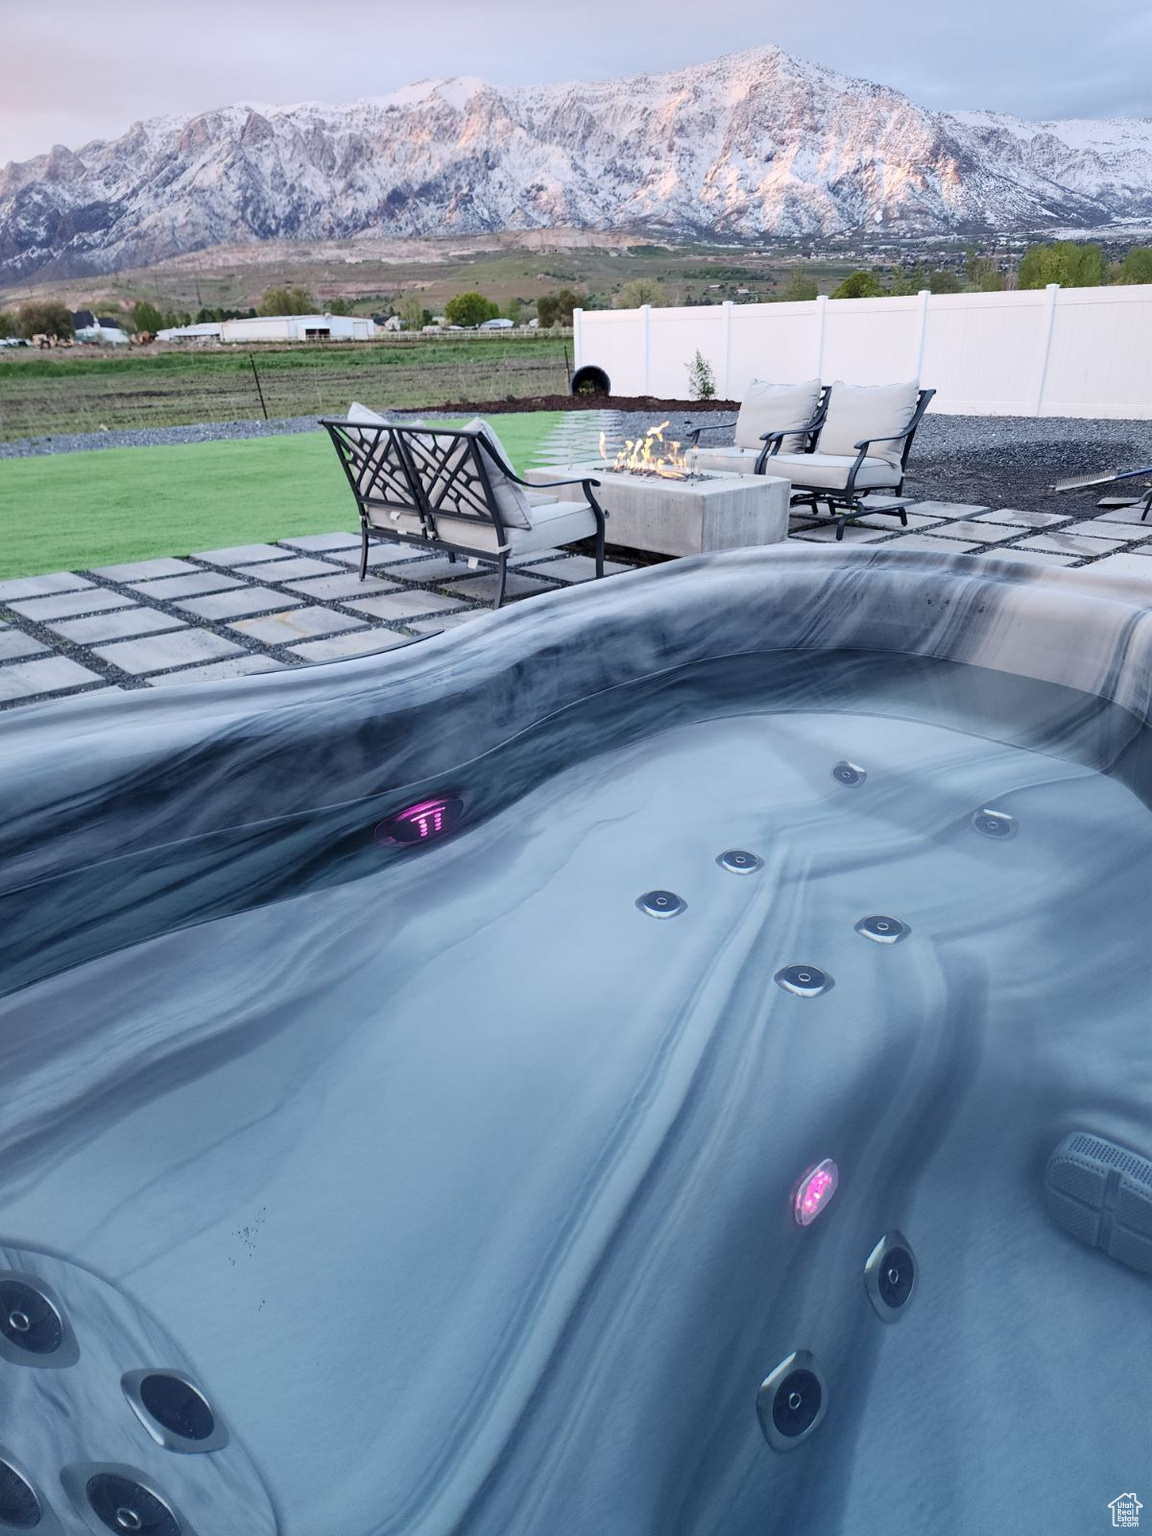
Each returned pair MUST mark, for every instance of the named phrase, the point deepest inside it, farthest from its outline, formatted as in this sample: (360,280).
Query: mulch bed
(582,403)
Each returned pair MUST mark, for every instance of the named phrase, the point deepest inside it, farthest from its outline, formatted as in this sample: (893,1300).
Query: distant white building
(300,328)
(497,325)
(278,328)
(205,331)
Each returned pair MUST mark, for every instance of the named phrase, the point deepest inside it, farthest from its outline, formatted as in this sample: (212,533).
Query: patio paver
(381,554)
(1018,519)
(483,588)
(1128,564)
(854,533)
(919,543)
(574,568)
(972,532)
(235,666)
(1068,543)
(144,570)
(52,674)
(296,624)
(237,604)
(291,569)
(67,605)
(446,621)
(186,586)
(1099,527)
(243,554)
(949,509)
(14,642)
(1027,556)
(361,642)
(324,541)
(342,584)
(41,586)
(119,624)
(403,605)
(155,653)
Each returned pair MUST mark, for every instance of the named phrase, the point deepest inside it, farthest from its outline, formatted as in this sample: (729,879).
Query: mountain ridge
(752,145)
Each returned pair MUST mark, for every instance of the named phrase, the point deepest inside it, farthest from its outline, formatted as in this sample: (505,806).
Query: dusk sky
(73,72)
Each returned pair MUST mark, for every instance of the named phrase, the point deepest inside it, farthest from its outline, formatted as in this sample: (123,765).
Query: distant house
(83,320)
(496,325)
(102,329)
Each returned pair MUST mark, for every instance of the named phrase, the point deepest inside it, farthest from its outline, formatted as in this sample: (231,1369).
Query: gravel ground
(996,461)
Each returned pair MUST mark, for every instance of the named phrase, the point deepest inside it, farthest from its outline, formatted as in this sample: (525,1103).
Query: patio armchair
(861,447)
(453,491)
(771,416)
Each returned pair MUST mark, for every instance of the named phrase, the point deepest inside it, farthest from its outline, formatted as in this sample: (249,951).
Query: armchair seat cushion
(728,461)
(556,522)
(829,471)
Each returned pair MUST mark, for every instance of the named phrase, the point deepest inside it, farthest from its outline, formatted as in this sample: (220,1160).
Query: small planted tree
(547,310)
(8,323)
(701,379)
(470,310)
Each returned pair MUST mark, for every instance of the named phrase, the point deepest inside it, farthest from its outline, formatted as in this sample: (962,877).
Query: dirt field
(43,393)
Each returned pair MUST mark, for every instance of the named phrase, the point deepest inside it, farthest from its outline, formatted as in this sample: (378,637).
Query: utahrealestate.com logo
(1126,1511)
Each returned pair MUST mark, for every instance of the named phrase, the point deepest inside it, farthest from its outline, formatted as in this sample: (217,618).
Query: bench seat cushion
(829,471)
(556,522)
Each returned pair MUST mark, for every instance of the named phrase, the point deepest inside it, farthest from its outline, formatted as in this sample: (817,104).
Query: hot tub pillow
(776,408)
(857,411)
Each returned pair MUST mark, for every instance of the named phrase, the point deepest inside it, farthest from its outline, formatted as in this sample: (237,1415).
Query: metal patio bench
(452,490)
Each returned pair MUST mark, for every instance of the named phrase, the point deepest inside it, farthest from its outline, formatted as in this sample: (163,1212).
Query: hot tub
(669,1059)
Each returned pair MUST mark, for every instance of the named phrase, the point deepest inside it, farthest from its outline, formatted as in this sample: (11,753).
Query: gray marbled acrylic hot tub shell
(466,1194)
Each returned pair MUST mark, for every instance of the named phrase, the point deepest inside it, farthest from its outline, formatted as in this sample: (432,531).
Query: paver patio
(256,608)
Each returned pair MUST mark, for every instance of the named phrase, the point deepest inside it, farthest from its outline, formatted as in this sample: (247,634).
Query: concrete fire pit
(683,517)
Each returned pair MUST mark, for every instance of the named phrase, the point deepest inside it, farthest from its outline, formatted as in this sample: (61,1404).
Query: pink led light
(816,1189)
(420,823)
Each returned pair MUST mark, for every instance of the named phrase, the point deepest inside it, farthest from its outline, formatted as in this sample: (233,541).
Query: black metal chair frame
(849,498)
(433,472)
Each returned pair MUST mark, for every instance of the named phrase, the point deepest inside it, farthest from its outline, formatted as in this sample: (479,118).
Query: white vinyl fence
(1038,352)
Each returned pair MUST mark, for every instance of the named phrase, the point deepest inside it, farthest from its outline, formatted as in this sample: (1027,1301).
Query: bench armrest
(548,485)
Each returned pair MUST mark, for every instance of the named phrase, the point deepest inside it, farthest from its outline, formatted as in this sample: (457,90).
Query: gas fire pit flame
(650,455)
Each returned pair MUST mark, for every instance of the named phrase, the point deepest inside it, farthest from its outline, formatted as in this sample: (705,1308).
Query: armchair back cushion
(857,411)
(776,408)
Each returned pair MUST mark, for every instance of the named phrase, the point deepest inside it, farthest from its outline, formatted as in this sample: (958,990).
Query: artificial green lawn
(75,511)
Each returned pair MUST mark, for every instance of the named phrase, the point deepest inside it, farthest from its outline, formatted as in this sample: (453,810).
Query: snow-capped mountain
(754,144)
